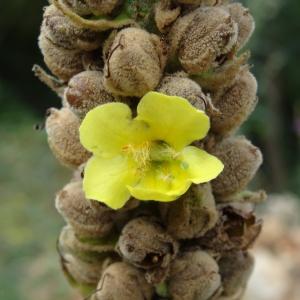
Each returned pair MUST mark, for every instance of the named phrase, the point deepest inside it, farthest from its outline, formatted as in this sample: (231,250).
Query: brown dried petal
(236,230)
(63,63)
(121,281)
(194,275)
(62,127)
(135,63)
(145,244)
(235,104)
(193,214)
(85,91)
(87,221)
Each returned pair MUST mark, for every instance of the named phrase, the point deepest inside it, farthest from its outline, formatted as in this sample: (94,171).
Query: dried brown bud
(123,281)
(241,161)
(236,230)
(179,85)
(145,244)
(62,127)
(217,79)
(63,63)
(89,251)
(235,270)
(235,104)
(192,215)
(135,63)
(87,221)
(85,91)
(64,33)
(203,38)
(194,275)
(245,21)
(165,14)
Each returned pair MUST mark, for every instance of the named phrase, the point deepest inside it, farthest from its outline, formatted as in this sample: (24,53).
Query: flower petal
(164,181)
(107,128)
(173,119)
(201,166)
(105,180)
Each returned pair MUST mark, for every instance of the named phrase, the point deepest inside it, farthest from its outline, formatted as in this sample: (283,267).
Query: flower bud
(64,33)
(235,104)
(145,244)
(121,281)
(85,91)
(179,85)
(202,38)
(135,63)
(88,251)
(194,275)
(87,221)
(241,161)
(218,79)
(193,214)
(245,21)
(235,270)
(236,230)
(63,63)
(62,127)
(165,14)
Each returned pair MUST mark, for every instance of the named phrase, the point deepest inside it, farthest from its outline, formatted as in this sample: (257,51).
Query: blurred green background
(29,175)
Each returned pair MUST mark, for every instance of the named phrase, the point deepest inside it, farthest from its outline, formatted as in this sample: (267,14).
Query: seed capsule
(123,281)
(179,85)
(203,38)
(194,275)
(62,127)
(135,63)
(235,104)
(64,33)
(165,14)
(245,21)
(88,222)
(235,231)
(235,270)
(85,91)
(241,161)
(192,215)
(88,251)
(145,244)
(63,63)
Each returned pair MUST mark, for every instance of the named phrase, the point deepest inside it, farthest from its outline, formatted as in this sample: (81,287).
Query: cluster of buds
(194,248)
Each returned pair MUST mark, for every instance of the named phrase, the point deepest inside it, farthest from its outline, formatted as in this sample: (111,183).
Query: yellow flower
(147,157)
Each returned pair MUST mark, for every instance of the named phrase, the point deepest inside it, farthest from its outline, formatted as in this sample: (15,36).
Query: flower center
(150,152)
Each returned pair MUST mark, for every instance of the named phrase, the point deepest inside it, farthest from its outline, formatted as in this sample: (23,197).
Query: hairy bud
(62,127)
(64,33)
(134,63)
(85,91)
(194,275)
(145,244)
(235,270)
(179,85)
(235,104)
(192,215)
(63,63)
(123,281)
(202,38)
(241,161)
(245,21)
(87,221)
